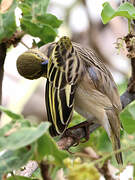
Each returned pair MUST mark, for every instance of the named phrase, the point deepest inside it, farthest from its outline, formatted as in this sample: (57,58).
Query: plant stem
(24,44)
(129,25)
(44,167)
(113,153)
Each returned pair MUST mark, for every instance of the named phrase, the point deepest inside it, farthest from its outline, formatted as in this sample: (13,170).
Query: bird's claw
(69,133)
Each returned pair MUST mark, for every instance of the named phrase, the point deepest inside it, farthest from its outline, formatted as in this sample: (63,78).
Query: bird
(76,80)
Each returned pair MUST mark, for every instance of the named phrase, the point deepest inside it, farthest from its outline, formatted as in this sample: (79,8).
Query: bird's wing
(62,77)
(103,82)
(100,75)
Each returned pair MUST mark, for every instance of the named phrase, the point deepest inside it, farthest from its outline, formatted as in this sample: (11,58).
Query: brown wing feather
(104,83)
(100,75)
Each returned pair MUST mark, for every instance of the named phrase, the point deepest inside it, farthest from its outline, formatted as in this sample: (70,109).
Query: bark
(3,50)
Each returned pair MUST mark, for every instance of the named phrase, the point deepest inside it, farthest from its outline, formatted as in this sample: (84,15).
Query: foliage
(35,20)
(126,10)
(128,118)
(21,141)
(7,19)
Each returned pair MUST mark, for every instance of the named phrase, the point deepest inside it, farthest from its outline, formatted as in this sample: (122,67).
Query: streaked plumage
(77,79)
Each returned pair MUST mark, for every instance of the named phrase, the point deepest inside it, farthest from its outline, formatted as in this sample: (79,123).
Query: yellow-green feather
(60,58)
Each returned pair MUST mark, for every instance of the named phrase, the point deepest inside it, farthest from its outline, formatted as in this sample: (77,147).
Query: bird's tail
(114,133)
(116,146)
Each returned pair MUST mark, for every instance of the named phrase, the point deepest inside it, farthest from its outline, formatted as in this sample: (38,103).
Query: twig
(6,43)
(126,98)
(15,39)
(104,158)
(44,170)
(129,94)
(3,50)
(104,170)
(24,44)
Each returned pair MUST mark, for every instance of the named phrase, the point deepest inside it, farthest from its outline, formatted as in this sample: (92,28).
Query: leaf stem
(113,153)
(24,44)
(129,25)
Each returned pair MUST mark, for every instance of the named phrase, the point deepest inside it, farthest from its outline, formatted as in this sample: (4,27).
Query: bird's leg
(70,132)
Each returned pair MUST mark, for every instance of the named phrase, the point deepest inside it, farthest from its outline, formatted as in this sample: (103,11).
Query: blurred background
(82,23)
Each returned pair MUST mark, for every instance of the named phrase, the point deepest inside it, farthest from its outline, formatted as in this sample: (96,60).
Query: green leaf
(104,143)
(37,174)
(6,128)
(7,22)
(130,157)
(23,137)
(12,160)
(13,126)
(77,118)
(126,10)
(37,22)
(122,87)
(107,13)
(47,146)
(49,19)
(44,31)
(128,121)
(10,113)
(40,43)
(131,109)
(34,8)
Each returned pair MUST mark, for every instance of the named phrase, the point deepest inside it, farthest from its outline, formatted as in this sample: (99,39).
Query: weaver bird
(76,79)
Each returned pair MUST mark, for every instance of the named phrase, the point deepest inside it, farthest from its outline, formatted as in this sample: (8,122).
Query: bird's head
(32,64)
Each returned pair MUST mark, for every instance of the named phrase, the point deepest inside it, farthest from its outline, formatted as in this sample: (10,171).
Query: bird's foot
(70,132)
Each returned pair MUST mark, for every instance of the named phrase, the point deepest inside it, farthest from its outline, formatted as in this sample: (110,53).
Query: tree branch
(6,43)
(67,142)
(15,39)
(3,50)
